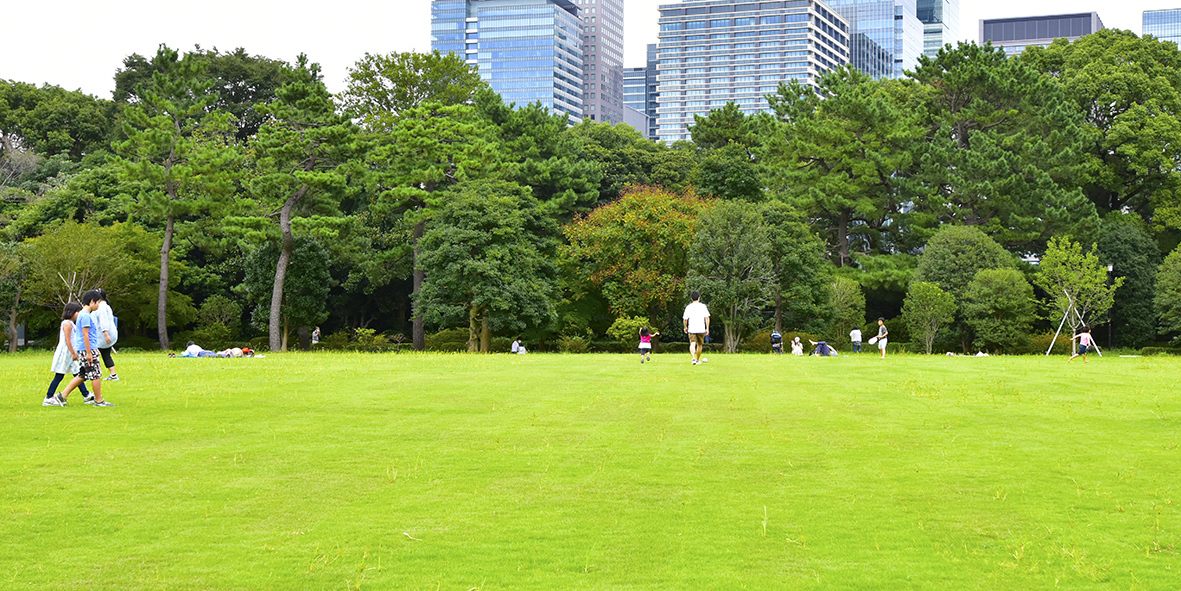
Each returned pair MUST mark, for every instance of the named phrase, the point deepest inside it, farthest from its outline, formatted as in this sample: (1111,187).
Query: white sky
(78,44)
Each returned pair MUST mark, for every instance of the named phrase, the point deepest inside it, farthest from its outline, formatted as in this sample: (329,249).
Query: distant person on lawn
(882,333)
(108,332)
(1085,343)
(65,358)
(855,338)
(696,323)
(86,339)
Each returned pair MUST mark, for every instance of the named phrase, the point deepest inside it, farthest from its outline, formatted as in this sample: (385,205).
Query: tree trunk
(732,336)
(277,342)
(419,332)
(473,329)
(779,310)
(286,329)
(162,302)
(12,326)
(485,333)
(843,237)
(305,339)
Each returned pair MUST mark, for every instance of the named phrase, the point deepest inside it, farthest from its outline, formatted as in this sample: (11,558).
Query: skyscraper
(1015,34)
(941,23)
(639,90)
(886,35)
(713,52)
(1163,24)
(527,50)
(602,44)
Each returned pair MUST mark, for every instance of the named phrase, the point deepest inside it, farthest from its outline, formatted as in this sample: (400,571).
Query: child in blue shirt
(86,339)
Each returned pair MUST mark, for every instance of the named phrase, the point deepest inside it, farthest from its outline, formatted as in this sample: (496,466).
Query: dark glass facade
(527,50)
(1015,34)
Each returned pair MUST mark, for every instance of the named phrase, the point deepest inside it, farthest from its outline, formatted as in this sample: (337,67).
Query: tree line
(229,195)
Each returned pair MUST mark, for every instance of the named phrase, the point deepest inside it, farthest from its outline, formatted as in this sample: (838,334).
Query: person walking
(882,334)
(646,344)
(108,332)
(86,339)
(65,358)
(855,338)
(696,324)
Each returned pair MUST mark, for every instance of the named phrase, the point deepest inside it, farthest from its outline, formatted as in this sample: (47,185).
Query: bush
(367,339)
(260,343)
(1160,351)
(626,331)
(1038,343)
(137,342)
(502,345)
(337,341)
(759,343)
(449,340)
(573,344)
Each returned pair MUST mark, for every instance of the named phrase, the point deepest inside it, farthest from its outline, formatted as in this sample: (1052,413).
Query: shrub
(1038,343)
(260,343)
(573,344)
(759,343)
(136,342)
(367,339)
(337,341)
(626,331)
(449,340)
(1160,351)
(502,345)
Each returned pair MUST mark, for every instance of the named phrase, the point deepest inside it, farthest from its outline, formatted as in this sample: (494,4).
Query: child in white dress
(65,358)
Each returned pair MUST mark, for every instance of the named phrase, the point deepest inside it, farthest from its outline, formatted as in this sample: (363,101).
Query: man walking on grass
(882,334)
(696,320)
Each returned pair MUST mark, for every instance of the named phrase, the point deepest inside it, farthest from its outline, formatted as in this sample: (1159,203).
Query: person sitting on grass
(823,349)
(518,347)
(797,348)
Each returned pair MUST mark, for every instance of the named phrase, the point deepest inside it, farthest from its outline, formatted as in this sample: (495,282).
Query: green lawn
(457,472)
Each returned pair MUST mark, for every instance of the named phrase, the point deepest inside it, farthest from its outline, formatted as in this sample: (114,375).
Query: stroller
(776,343)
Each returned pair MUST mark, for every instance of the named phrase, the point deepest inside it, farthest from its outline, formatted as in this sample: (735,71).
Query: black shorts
(1082,349)
(89,370)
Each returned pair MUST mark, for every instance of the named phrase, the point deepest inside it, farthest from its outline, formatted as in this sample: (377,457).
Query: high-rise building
(639,90)
(602,49)
(713,52)
(1163,24)
(886,35)
(941,23)
(527,50)
(1015,34)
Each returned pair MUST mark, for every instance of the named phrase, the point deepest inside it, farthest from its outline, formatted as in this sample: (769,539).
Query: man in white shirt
(696,322)
(855,338)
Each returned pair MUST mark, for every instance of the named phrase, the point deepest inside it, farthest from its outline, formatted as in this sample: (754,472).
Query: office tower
(886,36)
(941,23)
(527,50)
(639,90)
(1015,34)
(713,52)
(602,45)
(1163,24)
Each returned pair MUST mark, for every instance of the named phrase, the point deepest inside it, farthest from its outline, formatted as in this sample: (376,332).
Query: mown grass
(344,471)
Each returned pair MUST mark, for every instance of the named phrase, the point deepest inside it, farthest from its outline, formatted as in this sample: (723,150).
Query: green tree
(1125,244)
(1167,301)
(999,306)
(1074,279)
(926,310)
(636,250)
(489,257)
(1004,147)
(305,289)
(241,82)
(951,260)
(1128,89)
(797,265)
(625,159)
(14,275)
(71,259)
(540,152)
(383,87)
(427,151)
(220,310)
(839,153)
(176,154)
(51,120)
(730,263)
(304,156)
(847,301)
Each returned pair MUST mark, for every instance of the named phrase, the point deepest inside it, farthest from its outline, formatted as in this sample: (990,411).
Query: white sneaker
(113,378)
(51,401)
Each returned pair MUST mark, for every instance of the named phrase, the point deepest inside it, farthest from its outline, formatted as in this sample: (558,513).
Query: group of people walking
(88,332)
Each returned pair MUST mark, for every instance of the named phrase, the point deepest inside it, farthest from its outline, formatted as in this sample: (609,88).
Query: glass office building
(887,36)
(941,23)
(639,90)
(712,52)
(527,50)
(602,53)
(1163,24)
(1015,34)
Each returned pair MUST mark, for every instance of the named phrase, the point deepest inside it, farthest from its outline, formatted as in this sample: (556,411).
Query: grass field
(458,472)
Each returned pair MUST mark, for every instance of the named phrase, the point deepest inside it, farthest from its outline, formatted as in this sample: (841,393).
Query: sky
(79,44)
